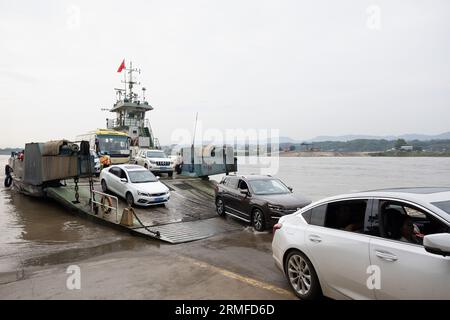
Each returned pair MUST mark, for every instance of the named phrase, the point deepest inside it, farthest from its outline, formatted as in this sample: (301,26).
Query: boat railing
(107,203)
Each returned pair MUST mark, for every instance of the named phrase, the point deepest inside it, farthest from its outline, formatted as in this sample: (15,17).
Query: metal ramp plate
(189,215)
(192,230)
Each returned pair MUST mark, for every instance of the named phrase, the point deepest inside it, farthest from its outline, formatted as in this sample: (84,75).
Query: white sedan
(134,183)
(383,244)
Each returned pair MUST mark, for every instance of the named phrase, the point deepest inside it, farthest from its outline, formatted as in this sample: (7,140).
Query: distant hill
(407,137)
(369,145)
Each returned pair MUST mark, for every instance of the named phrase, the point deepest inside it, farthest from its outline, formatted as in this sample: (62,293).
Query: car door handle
(315,238)
(386,256)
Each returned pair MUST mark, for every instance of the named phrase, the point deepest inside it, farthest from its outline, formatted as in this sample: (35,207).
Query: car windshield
(156,154)
(113,145)
(141,176)
(443,205)
(268,186)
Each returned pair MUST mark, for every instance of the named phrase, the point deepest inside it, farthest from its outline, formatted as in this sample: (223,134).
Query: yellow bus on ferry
(112,147)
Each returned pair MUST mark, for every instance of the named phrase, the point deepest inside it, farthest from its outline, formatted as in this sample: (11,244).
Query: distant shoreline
(397,154)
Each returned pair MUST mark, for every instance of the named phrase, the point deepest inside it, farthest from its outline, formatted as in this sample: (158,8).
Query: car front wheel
(129,198)
(301,276)
(220,208)
(104,186)
(258,220)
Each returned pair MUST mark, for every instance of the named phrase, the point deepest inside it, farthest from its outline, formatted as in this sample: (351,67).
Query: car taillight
(276,227)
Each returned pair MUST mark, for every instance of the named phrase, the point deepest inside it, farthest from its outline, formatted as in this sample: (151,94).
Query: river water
(39,232)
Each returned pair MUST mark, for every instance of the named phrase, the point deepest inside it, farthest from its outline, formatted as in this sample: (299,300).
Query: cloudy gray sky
(306,67)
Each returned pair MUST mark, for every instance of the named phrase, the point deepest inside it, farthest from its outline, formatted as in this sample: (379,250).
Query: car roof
(151,150)
(252,177)
(129,167)
(424,196)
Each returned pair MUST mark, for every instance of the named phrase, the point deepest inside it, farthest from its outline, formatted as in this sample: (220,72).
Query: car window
(243,185)
(404,222)
(268,186)
(317,215)
(114,171)
(142,176)
(232,182)
(443,205)
(156,154)
(122,174)
(307,215)
(346,215)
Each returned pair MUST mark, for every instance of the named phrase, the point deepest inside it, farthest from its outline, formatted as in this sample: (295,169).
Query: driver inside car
(409,231)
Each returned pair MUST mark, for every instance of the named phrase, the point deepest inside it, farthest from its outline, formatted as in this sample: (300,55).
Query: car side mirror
(438,243)
(157,177)
(290,189)
(123,180)
(244,191)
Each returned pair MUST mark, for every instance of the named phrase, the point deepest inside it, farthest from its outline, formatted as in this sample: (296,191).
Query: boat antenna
(195,129)
(130,82)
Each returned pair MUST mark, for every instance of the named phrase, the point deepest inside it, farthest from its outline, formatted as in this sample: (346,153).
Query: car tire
(258,220)
(170,174)
(145,166)
(104,186)
(129,198)
(220,207)
(302,276)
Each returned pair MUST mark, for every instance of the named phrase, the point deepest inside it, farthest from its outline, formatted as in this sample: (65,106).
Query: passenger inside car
(400,226)
(347,216)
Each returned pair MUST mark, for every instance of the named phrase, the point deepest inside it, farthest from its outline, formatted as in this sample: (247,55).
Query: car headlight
(276,208)
(152,162)
(145,194)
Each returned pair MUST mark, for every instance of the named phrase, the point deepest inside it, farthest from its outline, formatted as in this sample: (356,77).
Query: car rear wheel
(258,220)
(129,198)
(220,208)
(104,186)
(301,276)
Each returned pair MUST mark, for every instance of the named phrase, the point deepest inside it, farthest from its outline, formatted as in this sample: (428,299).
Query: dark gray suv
(259,200)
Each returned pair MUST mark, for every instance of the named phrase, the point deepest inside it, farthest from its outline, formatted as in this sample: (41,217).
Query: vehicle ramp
(188,216)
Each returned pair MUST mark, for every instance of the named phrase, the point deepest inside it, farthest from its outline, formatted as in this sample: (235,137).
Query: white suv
(154,160)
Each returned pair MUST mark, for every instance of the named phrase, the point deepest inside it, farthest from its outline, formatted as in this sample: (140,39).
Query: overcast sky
(307,68)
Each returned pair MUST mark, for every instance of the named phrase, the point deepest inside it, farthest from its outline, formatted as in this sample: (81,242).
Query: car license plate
(159,199)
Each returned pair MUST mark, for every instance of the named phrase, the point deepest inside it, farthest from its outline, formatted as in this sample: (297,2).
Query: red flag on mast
(122,66)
